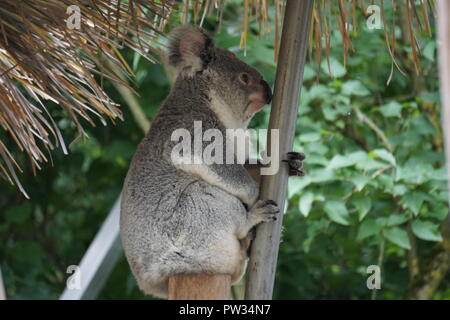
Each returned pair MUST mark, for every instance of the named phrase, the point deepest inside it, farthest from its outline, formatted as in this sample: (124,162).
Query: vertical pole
(2,287)
(200,287)
(443,13)
(289,78)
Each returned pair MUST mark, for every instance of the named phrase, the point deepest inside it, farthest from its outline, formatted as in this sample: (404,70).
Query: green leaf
(439,210)
(335,69)
(387,181)
(321,175)
(392,109)
(305,203)
(350,159)
(413,172)
(429,50)
(265,54)
(396,219)
(413,201)
(354,87)
(317,148)
(423,126)
(367,228)
(317,159)
(384,154)
(310,137)
(318,91)
(400,189)
(331,112)
(360,181)
(431,96)
(426,230)
(370,164)
(296,185)
(337,212)
(308,73)
(397,236)
(362,204)
(438,174)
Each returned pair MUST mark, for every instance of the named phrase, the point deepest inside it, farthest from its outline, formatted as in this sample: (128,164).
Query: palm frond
(42,58)
(348,15)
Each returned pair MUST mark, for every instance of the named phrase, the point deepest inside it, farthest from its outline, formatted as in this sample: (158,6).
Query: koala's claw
(296,155)
(271,202)
(294,161)
(264,210)
(296,173)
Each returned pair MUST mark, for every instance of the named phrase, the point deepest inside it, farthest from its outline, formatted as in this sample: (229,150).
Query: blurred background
(375,191)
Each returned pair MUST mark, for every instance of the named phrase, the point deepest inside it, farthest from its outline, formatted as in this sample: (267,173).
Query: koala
(181,218)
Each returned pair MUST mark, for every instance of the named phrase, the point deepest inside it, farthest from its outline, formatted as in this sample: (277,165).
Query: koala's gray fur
(190,219)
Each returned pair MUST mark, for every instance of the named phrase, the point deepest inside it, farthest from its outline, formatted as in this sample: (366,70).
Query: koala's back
(174,223)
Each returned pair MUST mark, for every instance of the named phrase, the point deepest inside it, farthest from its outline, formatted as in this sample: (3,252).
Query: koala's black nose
(267,91)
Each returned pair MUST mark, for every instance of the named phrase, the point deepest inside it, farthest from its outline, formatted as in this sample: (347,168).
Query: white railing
(99,260)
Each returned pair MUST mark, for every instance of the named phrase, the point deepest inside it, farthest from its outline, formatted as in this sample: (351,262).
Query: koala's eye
(244,78)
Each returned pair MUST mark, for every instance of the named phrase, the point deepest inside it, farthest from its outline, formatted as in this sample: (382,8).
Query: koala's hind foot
(295,163)
(261,211)
(246,243)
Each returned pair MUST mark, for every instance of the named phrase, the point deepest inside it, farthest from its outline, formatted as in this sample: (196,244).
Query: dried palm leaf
(348,14)
(46,55)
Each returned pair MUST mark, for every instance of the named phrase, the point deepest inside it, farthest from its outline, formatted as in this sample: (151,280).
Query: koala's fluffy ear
(190,50)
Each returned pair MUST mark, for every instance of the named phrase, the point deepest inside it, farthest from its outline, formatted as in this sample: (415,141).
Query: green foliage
(375,167)
(374,157)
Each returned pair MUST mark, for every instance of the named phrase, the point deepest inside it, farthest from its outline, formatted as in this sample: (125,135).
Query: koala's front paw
(295,163)
(263,211)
